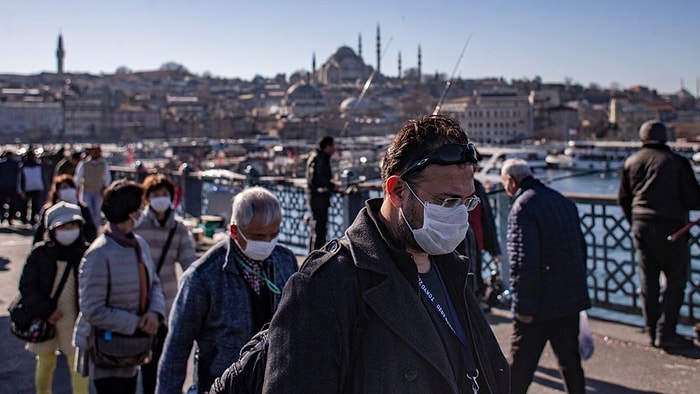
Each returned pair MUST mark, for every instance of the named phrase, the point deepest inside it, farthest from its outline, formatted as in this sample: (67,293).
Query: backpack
(247,374)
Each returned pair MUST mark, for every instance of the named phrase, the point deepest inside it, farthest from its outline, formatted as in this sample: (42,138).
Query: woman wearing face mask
(119,289)
(44,269)
(172,250)
(63,189)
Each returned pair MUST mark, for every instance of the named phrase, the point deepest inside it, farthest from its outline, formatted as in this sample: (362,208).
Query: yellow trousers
(45,367)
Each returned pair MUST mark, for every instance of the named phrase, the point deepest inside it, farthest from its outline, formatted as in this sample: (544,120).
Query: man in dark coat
(387,308)
(547,253)
(319,188)
(657,189)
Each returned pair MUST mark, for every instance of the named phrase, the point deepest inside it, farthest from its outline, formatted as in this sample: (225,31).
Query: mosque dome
(303,91)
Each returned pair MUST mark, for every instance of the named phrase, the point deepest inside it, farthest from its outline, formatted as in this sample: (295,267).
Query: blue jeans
(94,201)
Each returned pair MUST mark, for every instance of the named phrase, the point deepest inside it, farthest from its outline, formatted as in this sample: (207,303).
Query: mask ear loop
(270,285)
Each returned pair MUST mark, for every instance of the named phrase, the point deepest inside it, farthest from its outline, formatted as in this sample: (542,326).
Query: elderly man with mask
(387,308)
(228,294)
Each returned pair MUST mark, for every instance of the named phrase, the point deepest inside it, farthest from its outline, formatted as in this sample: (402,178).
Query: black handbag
(25,325)
(113,350)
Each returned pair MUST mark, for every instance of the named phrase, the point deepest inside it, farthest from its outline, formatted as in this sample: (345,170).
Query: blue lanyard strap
(462,338)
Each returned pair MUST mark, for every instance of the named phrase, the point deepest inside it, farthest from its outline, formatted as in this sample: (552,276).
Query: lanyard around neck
(471,375)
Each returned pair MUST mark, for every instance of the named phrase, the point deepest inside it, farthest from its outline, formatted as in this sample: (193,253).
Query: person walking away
(657,189)
(319,188)
(63,189)
(547,255)
(228,294)
(387,308)
(41,275)
(10,187)
(481,237)
(172,250)
(68,164)
(32,181)
(92,177)
(118,287)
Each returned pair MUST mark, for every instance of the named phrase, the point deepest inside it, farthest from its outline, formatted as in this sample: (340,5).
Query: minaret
(420,65)
(399,64)
(313,66)
(359,45)
(60,54)
(379,51)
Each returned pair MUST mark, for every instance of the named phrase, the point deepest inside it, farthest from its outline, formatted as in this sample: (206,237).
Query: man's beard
(405,232)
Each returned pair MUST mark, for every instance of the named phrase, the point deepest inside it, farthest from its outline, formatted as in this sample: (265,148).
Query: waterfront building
(493,117)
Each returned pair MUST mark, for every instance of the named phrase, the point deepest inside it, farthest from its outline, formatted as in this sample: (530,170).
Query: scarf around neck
(129,241)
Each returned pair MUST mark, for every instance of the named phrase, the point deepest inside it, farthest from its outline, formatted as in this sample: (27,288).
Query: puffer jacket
(181,250)
(108,288)
(39,273)
(547,254)
(400,350)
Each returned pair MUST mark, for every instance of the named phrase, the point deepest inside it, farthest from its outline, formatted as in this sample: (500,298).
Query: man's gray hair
(255,201)
(516,168)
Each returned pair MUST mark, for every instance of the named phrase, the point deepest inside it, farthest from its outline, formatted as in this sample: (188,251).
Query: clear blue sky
(645,42)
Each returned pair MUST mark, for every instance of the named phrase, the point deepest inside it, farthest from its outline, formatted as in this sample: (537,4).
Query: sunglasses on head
(446,154)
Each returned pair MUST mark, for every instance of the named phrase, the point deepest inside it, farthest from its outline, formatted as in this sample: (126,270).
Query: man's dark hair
(76,156)
(325,142)
(120,199)
(154,182)
(418,138)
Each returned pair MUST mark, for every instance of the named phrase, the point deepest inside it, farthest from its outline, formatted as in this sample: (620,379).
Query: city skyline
(640,43)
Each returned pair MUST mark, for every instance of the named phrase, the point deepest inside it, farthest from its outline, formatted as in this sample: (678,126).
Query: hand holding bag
(586,347)
(25,325)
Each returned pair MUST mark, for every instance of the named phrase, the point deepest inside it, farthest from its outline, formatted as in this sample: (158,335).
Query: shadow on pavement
(3,263)
(592,385)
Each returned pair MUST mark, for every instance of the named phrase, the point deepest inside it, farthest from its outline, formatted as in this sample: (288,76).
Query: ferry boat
(494,158)
(606,155)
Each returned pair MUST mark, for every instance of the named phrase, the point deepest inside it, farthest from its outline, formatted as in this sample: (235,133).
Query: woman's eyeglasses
(446,154)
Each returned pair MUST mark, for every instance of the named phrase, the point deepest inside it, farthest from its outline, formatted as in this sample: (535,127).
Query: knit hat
(653,130)
(61,213)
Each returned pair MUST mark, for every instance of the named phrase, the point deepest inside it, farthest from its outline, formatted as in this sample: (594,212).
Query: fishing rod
(577,174)
(449,81)
(682,230)
(366,86)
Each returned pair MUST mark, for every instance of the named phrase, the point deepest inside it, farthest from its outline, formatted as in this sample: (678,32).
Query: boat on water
(494,158)
(608,155)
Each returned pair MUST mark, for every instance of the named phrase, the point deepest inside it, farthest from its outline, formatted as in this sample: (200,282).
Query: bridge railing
(612,264)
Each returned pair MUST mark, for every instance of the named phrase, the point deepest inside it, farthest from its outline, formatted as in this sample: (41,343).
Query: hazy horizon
(641,43)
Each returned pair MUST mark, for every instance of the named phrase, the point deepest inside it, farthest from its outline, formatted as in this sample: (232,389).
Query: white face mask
(137,222)
(160,204)
(66,237)
(443,228)
(68,195)
(257,250)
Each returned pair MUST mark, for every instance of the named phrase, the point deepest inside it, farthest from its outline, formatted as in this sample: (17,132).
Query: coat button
(410,374)
(332,246)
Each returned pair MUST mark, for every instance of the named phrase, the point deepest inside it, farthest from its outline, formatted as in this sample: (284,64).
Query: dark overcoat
(315,345)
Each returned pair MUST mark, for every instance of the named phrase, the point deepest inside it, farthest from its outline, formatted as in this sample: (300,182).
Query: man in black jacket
(657,189)
(387,309)
(547,255)
(319,188)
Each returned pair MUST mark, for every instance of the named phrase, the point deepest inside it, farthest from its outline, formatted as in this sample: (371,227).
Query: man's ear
(395,187)
(234,231)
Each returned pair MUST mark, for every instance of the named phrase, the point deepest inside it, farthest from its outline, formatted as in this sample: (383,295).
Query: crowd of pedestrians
(395,305)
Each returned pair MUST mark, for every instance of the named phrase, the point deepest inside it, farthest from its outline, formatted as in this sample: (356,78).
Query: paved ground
(623,361)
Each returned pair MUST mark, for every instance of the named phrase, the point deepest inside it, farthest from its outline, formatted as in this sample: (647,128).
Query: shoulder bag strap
(161,260)
(64,278)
